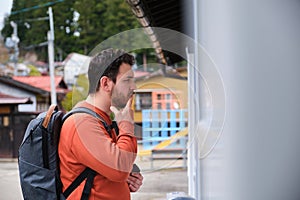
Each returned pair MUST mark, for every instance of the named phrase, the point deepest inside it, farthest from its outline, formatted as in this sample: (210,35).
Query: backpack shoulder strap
(88,173)
(88,111)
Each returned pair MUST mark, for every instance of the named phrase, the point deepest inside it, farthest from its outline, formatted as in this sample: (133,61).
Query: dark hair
(106,63)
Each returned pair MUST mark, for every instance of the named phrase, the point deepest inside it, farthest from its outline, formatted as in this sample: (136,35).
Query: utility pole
(51,56)
(15,39)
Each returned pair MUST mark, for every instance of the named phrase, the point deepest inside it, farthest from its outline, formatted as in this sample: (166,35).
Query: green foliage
(33,27)
(78,93)
(182,63)
(98,21)
(67,102)
(34,71)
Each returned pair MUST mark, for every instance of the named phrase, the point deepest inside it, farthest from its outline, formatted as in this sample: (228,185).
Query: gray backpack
(38,157)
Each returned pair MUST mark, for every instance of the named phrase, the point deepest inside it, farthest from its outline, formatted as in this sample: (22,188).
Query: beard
(119,99)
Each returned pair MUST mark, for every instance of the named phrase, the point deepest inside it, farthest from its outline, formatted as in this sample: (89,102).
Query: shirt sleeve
(92,146)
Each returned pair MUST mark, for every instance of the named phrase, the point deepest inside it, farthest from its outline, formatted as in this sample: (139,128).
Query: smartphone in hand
(135,169)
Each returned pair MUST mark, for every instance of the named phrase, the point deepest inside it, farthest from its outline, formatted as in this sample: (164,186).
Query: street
(156,184)
(9,181)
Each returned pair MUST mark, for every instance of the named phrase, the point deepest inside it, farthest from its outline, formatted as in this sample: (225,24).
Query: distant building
(156,91)
(37,88)
(74,65)
(161,100)
(12,124)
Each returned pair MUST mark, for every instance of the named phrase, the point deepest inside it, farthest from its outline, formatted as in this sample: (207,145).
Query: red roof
(7,99)
(42,82)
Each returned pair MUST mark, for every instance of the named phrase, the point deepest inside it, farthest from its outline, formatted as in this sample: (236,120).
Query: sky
(5,6)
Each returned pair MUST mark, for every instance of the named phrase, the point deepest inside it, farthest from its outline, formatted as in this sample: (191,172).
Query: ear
(106,84)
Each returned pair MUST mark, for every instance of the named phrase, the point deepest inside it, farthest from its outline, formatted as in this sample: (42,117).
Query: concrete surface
(9,181)
(168,176)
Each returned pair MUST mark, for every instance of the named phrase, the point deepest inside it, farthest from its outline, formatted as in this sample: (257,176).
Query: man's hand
(135,180)
(125,114)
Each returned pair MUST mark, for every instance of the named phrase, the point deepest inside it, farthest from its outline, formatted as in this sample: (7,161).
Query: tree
(118,18)
(65,28)
(33,25)
(33,71)
(98,20)
(78,93)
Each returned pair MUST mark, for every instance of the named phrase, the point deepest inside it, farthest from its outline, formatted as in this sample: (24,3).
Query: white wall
(255,45)
(6,89)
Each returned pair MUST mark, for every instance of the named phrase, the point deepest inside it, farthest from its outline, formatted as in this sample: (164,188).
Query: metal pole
(15,40)
(192,170)
(51,56)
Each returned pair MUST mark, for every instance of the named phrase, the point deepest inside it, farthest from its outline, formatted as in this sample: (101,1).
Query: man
(84,142)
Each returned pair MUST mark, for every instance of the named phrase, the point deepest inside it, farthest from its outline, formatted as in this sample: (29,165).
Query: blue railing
(160,125)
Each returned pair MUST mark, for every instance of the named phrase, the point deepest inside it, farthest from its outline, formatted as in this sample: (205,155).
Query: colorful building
(160,108)
(159,92)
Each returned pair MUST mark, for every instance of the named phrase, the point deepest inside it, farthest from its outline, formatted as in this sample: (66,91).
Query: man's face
(124,86)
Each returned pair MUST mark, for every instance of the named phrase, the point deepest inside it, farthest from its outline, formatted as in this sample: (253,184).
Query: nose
(133,86)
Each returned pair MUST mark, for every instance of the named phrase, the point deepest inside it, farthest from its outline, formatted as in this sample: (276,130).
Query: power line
(35,7)
(36,19)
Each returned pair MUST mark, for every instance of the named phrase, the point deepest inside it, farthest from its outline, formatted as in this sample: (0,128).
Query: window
(42,104)
(168,96)
(5,121)
(168,106)
(137,102)
(169,100)
(158,105)
(143,101)
(159,96)
(163,99)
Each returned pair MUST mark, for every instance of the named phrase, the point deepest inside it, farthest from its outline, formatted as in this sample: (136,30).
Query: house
(160,106)
(37,88)
(74,65)
(21,99)
(157,91)
(12,124)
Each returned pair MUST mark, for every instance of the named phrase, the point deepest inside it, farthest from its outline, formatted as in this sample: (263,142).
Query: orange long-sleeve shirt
(84,142)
